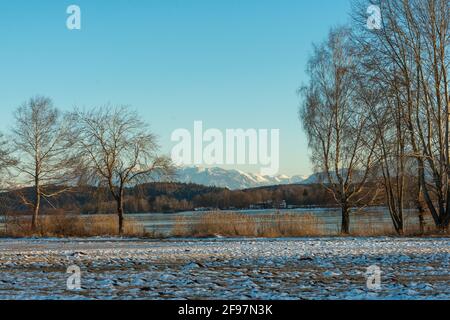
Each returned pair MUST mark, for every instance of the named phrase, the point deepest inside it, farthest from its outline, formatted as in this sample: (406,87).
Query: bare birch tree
(7,161)
(342,144)
(380,97)
(43,144)
(119,151)
(412,58)
(391,148)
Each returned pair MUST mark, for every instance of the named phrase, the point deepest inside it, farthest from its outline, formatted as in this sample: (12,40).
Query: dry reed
(228,224)
(243,225)
(65,225)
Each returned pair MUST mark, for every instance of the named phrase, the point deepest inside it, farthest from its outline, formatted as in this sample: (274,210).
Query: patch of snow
(316,268)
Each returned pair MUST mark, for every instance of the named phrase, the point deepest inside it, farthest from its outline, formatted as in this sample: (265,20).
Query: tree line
(168,197)
(104,160)
(376,109)
(108,147)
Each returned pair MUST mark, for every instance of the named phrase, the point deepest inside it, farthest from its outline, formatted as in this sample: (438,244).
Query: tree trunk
(443,228)
(345,226)
(401,227)
(37,204)
(120,212)
(420,206)
(421,222)
(421,210)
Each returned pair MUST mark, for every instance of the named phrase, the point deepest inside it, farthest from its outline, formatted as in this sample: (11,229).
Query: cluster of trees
(167,197)
(108,147)
(376,109)
(176,197)
(157,197)
(296,195)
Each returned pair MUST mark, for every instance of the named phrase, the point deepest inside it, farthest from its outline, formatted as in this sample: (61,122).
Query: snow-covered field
(331,268)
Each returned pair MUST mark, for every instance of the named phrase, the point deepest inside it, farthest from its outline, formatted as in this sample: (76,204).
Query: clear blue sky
(229,63)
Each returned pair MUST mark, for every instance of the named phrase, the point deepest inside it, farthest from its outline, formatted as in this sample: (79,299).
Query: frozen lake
(330,218)
(319,268)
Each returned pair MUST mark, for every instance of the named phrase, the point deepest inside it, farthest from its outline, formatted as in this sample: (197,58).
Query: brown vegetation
(288,225)
(242,225)
(63,225)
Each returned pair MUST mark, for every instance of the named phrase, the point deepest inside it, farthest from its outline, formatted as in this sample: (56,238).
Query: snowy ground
(225,269)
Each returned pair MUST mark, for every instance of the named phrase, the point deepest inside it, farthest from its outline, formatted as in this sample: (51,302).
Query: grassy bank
(210,224)
(286,225)
(241,225)
(63,225)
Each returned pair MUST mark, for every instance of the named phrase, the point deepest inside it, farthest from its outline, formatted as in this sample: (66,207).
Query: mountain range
(236,179)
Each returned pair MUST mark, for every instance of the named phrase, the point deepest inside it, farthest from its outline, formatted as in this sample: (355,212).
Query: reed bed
(66,225)
(243,225)
(275,225)
(212,224)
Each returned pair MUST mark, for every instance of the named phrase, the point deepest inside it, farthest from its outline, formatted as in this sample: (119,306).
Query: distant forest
(176,197)
(172,197)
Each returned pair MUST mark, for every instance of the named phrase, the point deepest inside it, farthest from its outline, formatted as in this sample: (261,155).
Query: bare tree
(338,130)
(119,151)
(412,57)
(7,161)
(391,149)
(380,97)
(43,144)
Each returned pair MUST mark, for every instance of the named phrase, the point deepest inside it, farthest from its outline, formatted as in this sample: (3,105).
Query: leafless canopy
(338,129)
(7,161)
(409,57)
(43,143)
(118,151)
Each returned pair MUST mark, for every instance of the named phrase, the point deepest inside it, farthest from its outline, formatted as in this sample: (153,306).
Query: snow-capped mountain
(232,179)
